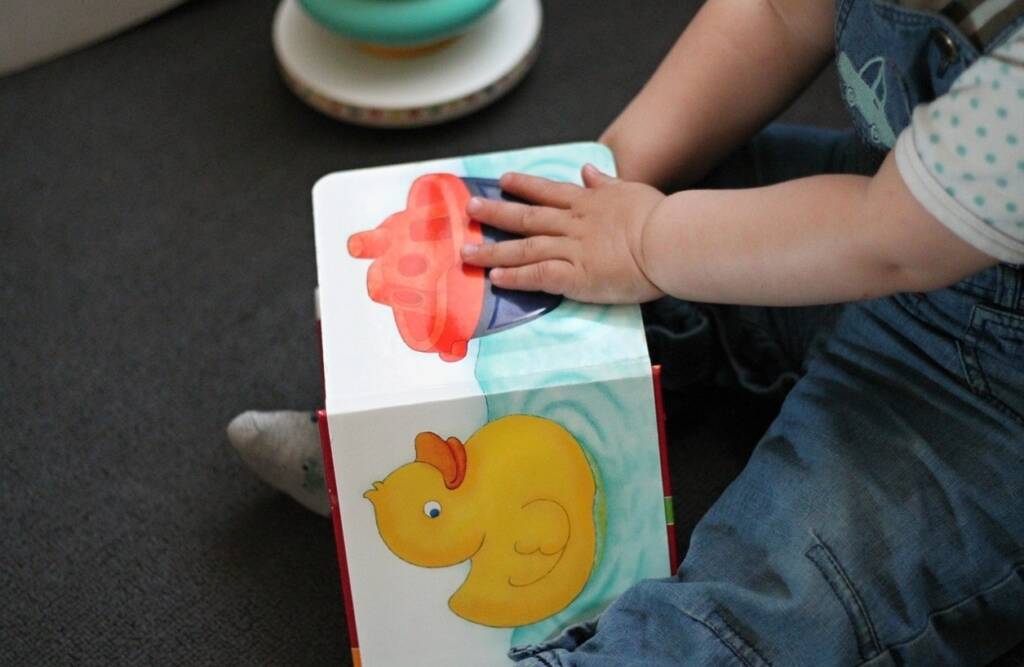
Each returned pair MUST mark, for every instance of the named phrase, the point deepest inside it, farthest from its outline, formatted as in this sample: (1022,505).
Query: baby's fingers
(554,276)
(540,190)
(514,253)
(521,219)
(595,178)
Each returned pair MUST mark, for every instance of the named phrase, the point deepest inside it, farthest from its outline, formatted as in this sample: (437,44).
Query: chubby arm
(734,68)
(821,239)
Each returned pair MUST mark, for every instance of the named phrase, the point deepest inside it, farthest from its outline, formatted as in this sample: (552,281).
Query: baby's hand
(584,243)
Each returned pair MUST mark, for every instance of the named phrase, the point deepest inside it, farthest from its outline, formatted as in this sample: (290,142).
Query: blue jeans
(880,520)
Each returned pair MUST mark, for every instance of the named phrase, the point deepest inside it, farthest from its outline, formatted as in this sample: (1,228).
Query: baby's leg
(878,520)
(759,349)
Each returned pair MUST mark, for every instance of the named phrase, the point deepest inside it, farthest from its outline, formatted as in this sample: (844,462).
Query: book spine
(339,534)
(666,479)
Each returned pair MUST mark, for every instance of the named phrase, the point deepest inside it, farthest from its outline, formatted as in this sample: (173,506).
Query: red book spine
(666,479)
(339,534)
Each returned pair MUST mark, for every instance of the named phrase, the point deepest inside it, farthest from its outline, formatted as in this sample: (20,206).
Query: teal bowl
(397,23)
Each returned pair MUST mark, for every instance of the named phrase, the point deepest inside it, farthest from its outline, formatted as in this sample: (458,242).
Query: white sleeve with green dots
(962,156)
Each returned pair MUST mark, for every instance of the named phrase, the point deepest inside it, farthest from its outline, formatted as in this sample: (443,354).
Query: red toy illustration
(440,304)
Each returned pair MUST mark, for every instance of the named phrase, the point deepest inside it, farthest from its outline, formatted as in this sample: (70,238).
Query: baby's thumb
(594,177)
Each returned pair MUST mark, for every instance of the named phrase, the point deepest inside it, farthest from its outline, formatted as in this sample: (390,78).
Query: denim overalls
(880,520)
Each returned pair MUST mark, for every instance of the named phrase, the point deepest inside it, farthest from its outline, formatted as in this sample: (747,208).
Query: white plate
(341,79)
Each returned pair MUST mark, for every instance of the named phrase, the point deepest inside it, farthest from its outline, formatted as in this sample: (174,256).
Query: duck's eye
(432,509)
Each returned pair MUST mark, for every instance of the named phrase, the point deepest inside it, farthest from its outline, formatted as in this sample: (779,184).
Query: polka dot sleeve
(962,156)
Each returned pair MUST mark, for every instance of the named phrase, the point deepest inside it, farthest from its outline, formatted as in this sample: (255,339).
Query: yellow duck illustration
(517,501)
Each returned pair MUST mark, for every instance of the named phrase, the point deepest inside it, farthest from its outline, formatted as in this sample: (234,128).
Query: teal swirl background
(587,368)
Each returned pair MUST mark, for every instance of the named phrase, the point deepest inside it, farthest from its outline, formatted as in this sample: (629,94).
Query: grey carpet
(156,269)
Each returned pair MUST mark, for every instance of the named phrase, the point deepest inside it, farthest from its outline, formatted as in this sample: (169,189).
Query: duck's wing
(542,531)
(529,570)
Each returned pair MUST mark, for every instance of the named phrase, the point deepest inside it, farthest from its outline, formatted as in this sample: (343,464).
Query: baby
(879,520)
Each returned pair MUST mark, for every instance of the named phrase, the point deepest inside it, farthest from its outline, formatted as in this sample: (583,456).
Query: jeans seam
(970,364)
(967,366)
(1009,284)
(977,380)
(860,615)
(842,13)
(720,638)
(986,314)
(740,637)
(839,596)
(995,400)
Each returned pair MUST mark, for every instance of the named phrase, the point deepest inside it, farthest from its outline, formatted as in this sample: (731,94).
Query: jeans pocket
(992,355)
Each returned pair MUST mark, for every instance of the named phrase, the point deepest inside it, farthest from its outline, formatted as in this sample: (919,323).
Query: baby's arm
(946,203)
(822,239)
(736,66)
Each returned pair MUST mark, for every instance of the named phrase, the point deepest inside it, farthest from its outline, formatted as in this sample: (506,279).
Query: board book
(494,459)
